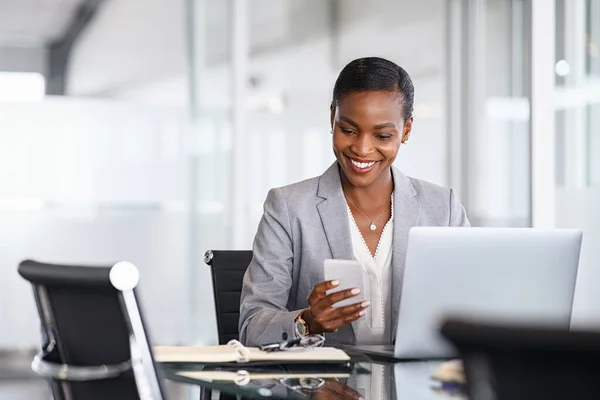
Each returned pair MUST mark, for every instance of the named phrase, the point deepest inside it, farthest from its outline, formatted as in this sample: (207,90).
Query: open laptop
(493,274)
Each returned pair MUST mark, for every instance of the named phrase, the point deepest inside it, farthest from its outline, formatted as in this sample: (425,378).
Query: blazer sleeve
(264,317)
(458,214)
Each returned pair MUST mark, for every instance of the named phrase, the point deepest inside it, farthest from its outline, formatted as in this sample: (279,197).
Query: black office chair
(523,363)
(95,345)
(227,268)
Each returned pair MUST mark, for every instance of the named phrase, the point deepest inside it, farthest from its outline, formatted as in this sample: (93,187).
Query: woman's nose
(362,145)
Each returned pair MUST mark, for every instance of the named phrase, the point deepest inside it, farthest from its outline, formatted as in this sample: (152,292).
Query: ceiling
(291,41)
(34,22)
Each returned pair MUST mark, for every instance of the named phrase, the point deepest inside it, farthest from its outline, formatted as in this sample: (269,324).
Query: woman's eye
(383,137)
(347,131)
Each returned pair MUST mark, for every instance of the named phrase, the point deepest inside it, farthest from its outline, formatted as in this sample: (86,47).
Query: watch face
(300,328)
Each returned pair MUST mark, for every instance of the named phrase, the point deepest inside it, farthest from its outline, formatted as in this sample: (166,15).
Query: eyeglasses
(304,383)
(298,344)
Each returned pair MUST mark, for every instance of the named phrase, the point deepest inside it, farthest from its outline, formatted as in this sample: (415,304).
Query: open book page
(228,353)
(316,354)
(234,376)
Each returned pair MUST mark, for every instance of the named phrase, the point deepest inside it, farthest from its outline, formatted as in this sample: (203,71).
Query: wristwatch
(301,326)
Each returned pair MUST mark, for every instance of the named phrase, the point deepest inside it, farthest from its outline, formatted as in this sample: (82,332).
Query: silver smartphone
(351,274)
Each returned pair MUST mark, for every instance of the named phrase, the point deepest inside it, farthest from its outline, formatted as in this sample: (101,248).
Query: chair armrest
(208,257)
(66,372)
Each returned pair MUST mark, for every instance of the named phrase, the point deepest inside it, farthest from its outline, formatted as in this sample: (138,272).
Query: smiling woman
(360,208)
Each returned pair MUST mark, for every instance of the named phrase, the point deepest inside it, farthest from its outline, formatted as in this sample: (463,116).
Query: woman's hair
(374,73)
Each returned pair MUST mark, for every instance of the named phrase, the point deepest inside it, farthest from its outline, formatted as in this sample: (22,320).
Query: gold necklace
(372,226)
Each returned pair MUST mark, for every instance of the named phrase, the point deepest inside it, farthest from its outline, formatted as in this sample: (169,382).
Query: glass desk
(410,380)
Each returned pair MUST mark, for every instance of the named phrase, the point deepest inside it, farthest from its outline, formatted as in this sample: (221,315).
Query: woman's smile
(361,166)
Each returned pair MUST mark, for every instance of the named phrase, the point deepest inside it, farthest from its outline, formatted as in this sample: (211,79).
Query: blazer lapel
(334,215)
(406,215)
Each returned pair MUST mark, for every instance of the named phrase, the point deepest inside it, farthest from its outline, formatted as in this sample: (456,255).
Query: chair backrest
(518,362)
(90,318)
(227,270)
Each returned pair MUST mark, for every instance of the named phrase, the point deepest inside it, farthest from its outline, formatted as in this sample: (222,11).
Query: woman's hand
(333,389)
(322,317)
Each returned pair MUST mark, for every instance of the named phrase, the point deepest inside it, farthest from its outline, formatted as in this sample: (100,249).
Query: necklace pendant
(372,226)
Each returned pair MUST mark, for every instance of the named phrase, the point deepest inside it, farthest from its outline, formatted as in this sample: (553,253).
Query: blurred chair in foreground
(519,362)
(95,345)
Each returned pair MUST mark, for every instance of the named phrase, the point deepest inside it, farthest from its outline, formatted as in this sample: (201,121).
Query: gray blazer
(306,223)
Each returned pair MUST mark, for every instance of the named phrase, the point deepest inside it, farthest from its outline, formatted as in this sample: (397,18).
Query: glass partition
(488,109)
(578,142)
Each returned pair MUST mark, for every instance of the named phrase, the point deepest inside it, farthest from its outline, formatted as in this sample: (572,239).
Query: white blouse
(374,327)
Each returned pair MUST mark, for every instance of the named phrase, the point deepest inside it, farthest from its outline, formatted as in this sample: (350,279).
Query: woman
(360,208)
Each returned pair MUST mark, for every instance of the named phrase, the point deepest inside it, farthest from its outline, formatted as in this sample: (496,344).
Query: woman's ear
(331,116)
(407,130)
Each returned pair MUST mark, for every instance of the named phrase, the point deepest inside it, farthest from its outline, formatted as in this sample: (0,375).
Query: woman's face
(368,129)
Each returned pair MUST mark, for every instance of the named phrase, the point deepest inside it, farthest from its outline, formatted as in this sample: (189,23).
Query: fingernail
(335,283)
(362,313)
(355,291)
(365,304)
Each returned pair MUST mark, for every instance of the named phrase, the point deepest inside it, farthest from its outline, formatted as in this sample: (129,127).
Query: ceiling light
(562,68)
(22,87)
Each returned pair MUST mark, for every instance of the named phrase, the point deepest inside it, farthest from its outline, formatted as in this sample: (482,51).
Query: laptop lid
(495,274)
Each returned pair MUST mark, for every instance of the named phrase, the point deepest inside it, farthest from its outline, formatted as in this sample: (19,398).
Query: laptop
(492,274)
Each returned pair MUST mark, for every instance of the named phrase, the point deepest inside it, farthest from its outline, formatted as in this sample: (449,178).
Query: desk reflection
(365,380)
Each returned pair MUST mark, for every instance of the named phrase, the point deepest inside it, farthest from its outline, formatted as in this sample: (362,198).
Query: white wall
(154,240)
(99,182)
(103,181)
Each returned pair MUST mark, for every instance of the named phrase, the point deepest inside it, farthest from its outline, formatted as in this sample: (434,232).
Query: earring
(405,142)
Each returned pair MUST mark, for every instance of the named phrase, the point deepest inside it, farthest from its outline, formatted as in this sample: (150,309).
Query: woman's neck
(375,194)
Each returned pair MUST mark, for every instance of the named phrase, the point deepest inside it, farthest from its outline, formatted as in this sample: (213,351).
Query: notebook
(235,352)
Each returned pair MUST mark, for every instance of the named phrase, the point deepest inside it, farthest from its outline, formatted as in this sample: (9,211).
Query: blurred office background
(151,130)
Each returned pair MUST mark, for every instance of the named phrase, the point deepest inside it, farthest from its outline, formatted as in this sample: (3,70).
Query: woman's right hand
(321,316)
(334,389)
